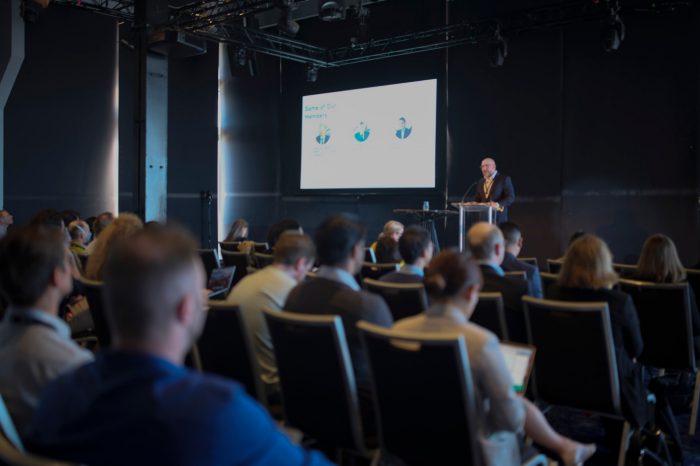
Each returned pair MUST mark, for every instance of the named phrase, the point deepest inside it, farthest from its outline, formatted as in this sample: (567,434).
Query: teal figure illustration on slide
(404,130)
(362,132)
(324,134)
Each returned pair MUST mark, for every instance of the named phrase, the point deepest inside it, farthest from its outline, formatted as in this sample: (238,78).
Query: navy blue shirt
(132,408)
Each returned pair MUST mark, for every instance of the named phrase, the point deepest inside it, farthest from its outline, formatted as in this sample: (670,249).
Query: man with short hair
(79,232)
(137,404)
(268,288)
(495,188)
(6,219)
(514,244)
(488,248)
(35,344)
(416,250)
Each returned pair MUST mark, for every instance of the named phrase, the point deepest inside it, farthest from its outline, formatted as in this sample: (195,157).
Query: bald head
(486,242)
(488,167)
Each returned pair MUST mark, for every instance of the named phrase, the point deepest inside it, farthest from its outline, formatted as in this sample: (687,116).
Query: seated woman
(238,231)
(587,275)
(122,228)
(452,281)
(659,263)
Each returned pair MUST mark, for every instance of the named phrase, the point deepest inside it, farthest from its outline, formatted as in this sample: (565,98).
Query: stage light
(286,24)
(311,73)
(612,32)
(331,10)
(498,49)
(242,56)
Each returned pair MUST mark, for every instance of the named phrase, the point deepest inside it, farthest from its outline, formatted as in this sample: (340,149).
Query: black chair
(694,282)
(625,270)
(93,294)
(319,394)
(548,279)
(554,265)
(263,260)
(521,274)
(229,245)
(209,260)
(370,256)
(224,348)
(238,260)
(424,397)
(529,260)
(404,299)
(490,314)
(375,271)
(576,366)
(667,332)
(261,247)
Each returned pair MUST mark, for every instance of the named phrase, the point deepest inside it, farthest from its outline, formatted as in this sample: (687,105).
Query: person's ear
(520,242)
(185,310)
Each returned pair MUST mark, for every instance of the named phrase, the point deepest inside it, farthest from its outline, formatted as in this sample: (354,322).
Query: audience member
(6,219)
(488,248)
(587,275)
(238,231)
(340,245)
(387,251)
(416,250)
(393,229)
(274,232)
(659,263)
(80,236)
(268,289)
(514,243)
(35,344)
(122,228)
(137,404)
(452,281)
(101,222)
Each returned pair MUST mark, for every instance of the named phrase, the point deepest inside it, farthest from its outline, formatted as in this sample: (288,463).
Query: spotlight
(242,56)
(331,10)
(612,32)
(311,73)
(286,24)
(498,49)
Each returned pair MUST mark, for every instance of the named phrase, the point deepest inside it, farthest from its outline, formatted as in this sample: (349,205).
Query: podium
(427,219)
(483,212)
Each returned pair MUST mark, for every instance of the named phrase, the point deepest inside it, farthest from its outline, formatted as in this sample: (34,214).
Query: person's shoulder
(49,348)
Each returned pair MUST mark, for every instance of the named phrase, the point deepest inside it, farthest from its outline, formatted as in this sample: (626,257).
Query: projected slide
(377,137)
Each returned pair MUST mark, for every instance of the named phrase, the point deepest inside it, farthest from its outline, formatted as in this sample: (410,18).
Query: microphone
(469,189)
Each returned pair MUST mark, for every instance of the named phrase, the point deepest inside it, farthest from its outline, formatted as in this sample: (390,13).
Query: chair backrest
(664,318)
(375,271)
(529,260)
(424,396)
(229,245)
(403,299)
(625,270)
(238,260)
(554,265)
(575,364)
(694,282)
(319,393)
(521,274)
(490,314)
(225,349)
(263,260)
(93,294)
(370,256)
(261,247)
(209,260)
(548,279)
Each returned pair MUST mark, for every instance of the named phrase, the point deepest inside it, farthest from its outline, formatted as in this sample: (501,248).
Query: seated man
(416,250)
(488,248)
(268,288)
(79,232)
(387,251)
(137,404)
(340,243)
(35,345)
(514,244)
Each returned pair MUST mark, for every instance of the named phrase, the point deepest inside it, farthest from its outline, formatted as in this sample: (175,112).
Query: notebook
(519,360)
(220,282)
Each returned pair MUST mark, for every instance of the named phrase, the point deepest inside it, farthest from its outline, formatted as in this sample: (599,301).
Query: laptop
(220,282)
(519,360)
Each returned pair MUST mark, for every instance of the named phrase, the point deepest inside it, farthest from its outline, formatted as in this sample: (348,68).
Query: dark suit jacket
(627,338)
(324,296)
(401,277)
(512,290)
(534,280)
(501,191)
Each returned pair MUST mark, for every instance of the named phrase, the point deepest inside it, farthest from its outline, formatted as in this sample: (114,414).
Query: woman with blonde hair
(124,226)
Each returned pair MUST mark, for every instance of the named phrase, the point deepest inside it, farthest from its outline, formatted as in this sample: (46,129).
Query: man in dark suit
(514,243)
(340,245)
(488,248)
(416,250)
(495,188)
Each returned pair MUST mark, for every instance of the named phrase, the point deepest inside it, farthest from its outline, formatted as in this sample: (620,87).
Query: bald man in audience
(137,403)
(514,244)
(35,344)
(488,248)
(268,289)
(80,236)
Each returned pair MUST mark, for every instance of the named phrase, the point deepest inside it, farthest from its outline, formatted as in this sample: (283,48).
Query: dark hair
(144,280)
(337,236)
(413,242)
(274,232)
(659,261)
(48,218)
(69,216)
(292,246)
(511,232)
(577,234)
(387,250)
(450,273)
(101,222)
(29,256)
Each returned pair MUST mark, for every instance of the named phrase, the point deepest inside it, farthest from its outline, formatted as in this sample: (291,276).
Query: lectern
(477,211)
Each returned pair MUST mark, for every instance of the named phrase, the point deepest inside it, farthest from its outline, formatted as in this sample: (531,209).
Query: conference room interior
(594,140)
